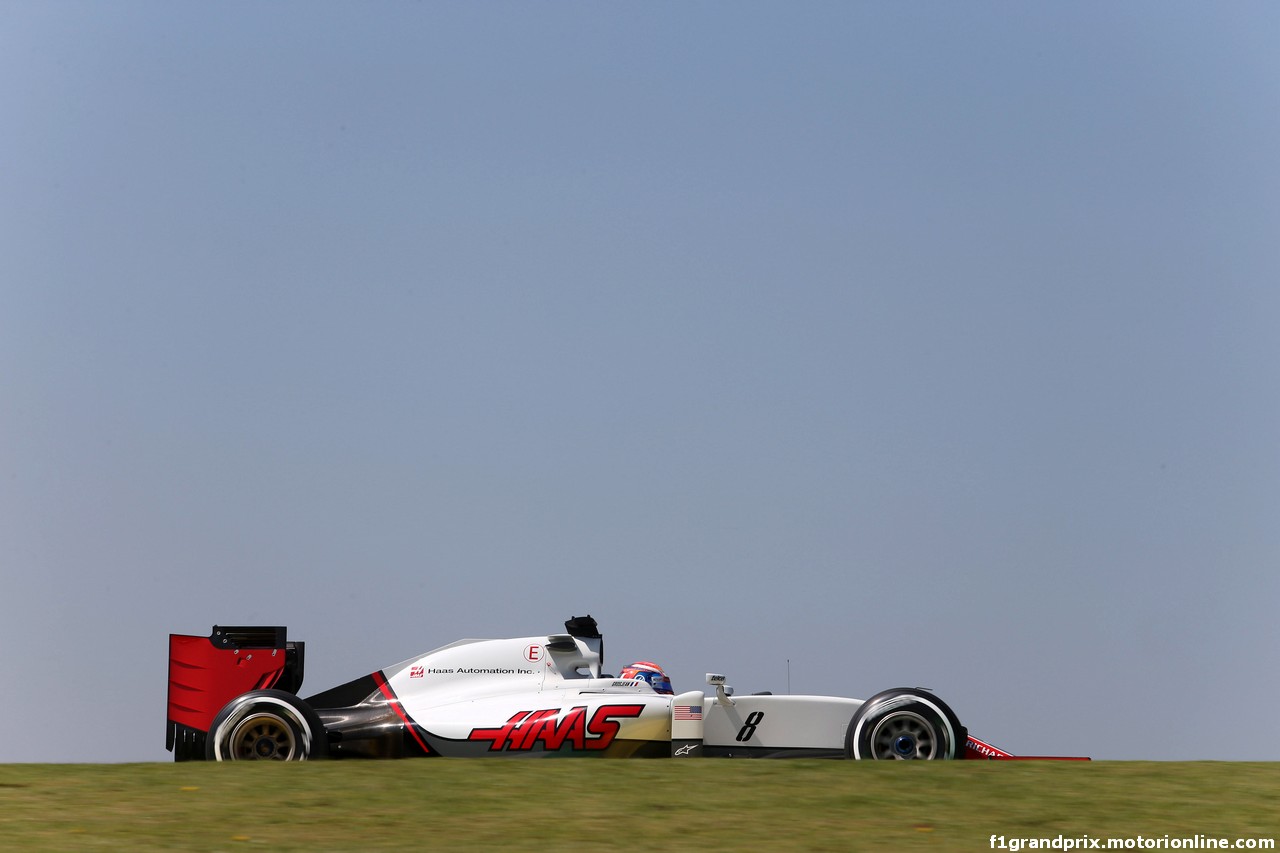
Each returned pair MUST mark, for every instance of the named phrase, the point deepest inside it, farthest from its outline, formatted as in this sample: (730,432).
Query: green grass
(584,804)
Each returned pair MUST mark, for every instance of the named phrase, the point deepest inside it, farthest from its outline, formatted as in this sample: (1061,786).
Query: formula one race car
(234,696)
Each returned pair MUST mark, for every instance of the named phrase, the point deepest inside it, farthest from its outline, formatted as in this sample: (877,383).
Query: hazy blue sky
(913,343)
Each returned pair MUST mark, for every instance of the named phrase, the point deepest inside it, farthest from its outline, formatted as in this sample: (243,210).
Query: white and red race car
(233,695)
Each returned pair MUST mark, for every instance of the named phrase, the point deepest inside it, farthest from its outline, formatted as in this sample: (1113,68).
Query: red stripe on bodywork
(269,680)
(385,687)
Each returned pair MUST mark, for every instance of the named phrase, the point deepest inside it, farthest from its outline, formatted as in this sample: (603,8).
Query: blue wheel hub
(905,745)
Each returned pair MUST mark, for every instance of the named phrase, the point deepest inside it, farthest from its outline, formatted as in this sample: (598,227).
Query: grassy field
(583,804)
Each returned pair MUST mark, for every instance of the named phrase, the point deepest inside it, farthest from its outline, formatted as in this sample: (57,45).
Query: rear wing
(206,673)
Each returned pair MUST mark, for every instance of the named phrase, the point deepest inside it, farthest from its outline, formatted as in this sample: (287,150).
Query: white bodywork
(544,694)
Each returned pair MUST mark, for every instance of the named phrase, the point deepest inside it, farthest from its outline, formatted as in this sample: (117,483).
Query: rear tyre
(266,725)
(905,724)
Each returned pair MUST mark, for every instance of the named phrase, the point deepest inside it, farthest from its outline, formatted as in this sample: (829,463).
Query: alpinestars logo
(554,729)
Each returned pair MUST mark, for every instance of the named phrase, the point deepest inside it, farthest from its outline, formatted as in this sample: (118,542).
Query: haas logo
(551,730)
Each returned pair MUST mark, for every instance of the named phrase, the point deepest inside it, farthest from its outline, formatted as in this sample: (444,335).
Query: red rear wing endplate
(206,673)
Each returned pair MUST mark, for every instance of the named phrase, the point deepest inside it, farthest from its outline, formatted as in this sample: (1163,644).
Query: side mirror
(723,691)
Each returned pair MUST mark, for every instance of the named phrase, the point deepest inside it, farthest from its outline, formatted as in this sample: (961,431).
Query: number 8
(749,730)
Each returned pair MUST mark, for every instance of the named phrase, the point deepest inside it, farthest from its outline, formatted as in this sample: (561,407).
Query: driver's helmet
(649,672)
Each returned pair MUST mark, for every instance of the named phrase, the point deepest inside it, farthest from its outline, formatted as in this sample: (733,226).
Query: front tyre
(905,724)
(266,725)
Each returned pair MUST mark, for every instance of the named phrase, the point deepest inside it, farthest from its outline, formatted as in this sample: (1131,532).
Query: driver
(650,673)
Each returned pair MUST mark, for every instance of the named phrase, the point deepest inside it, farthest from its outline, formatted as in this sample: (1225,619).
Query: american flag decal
(687,712)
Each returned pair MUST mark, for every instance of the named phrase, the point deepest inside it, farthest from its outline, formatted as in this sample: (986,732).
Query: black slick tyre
(266,725)
(905,724)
